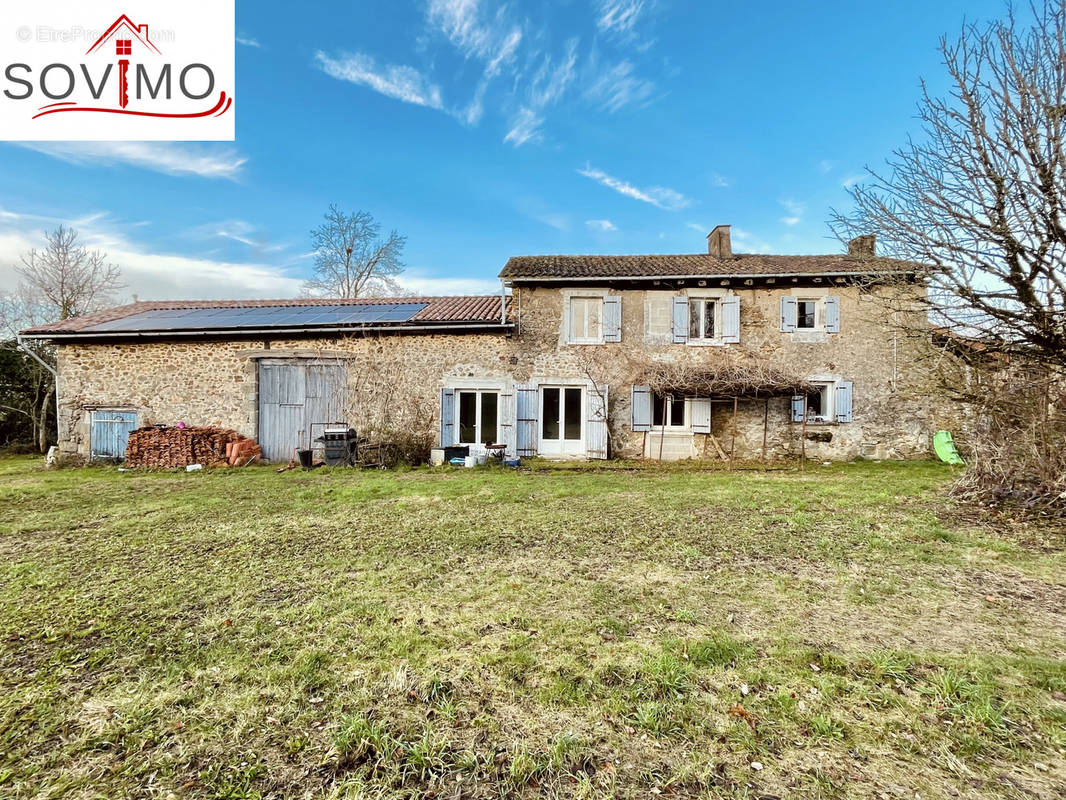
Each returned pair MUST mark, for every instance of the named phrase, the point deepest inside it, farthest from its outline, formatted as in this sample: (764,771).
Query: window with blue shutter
(699,411)
(447,417)
(680,320)
(788,314)
(844,401)
(612,319)
(640,404)
(731,320)
(832,315)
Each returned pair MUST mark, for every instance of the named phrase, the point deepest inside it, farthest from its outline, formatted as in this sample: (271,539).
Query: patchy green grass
(572,632)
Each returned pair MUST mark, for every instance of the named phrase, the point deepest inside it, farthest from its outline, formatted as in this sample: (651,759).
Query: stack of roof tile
(165,447)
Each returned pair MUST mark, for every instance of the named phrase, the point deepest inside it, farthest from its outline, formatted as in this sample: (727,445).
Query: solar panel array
(183,319)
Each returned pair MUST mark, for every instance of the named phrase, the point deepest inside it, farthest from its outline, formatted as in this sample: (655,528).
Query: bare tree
(68,277)
(352,258)
(62,280)
(980,197)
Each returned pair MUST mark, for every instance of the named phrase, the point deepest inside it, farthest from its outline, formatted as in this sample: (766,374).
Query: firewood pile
(162,447)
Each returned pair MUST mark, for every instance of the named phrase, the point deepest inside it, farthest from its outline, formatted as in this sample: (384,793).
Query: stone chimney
(863,246)
(718,244)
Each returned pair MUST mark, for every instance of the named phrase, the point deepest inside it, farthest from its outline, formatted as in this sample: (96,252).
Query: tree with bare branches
(353,258)
(68,278)
(63,279)
(980,196)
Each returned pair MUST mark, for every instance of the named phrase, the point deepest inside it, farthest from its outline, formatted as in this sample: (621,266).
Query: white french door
(562,421)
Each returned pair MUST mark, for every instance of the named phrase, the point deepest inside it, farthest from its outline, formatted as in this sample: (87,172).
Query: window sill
(586,341)
(705,343)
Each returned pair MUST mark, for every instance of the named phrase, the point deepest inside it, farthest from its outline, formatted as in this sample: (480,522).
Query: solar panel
(185,319)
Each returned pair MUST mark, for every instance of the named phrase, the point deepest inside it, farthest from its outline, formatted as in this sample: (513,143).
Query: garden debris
(738,711)
(161,446)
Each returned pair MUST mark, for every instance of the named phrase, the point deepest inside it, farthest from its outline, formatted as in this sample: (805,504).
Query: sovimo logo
(126,81)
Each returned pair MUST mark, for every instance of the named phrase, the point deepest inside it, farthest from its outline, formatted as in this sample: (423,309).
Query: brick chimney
(863,246)
(718,244)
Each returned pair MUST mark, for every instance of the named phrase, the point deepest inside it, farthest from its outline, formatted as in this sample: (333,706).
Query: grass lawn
(834,632)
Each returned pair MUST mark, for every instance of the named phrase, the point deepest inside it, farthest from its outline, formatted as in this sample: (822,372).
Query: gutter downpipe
(55,374)
(503,303)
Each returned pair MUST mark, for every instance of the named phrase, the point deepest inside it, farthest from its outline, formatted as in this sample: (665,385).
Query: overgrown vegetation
(594,631)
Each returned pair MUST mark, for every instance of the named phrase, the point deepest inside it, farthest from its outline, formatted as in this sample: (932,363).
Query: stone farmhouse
(707,355)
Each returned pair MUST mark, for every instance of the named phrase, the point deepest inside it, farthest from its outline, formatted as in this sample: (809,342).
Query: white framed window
(585,320)
(669,412)
(829,401)
(703,324)
(477,414)
(809,314)
(820,402)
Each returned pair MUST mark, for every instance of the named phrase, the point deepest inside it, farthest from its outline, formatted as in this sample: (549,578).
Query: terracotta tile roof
(694,265)
(473,309)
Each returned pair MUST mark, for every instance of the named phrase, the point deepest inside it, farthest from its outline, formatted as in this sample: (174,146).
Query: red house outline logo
(124,47)
(124,26)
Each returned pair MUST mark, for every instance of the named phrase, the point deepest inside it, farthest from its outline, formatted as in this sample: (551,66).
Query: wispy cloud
(660,196)
(525,127)
(825,166)
(170,158)
(746,242)
(851,180)
(399,82)
(604,225)
(617,87)
(721,181)
(795,211)
(618,16)
(480,36)
(697,227)
(248,41)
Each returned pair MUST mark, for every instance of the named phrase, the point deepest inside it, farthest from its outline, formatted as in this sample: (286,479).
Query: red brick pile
(165,447)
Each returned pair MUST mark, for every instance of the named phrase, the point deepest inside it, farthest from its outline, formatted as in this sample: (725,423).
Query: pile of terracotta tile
(166,447)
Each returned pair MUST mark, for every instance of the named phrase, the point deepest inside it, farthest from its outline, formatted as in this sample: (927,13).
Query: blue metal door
(110,432)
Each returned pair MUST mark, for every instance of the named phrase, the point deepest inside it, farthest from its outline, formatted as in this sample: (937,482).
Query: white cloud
(150,274)
(697,227)
(418,282)
(745,242)
(851,180)
(482,37)
(396,81)
(604,225)
(825,165)
(795,211)
(660,196)
(525,127)
(721,181)
(170,158)
(618,16)
(617,87)
(248,41)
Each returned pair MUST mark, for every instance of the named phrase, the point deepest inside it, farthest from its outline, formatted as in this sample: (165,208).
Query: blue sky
(483,130)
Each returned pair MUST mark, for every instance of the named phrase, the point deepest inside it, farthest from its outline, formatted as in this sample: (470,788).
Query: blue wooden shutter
(699,412)
(680,320)
(832,315)
(640,404)
(447,417)
(596,427)
(844,401)
(527,405)
(612,319)
(788,314)
(731,320)
(506,418)
(797,408)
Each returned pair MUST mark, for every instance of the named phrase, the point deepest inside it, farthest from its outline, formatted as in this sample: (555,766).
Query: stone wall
(395,381)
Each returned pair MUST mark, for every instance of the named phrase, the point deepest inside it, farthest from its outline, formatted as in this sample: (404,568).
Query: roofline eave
(510,280)
(274,333)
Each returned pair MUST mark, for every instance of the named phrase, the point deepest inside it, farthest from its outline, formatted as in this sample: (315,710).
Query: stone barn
(707,355)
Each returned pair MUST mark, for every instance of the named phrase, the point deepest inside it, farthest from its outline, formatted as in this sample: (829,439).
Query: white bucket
(482,459)
(471,461)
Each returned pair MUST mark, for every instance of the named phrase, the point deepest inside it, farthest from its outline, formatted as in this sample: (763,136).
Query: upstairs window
(810,314)
(701,318)
(477,417)
(586,319)
(806,314)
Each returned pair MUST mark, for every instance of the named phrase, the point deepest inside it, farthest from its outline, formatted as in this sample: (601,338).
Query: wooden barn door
(109,434)
(292,396)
